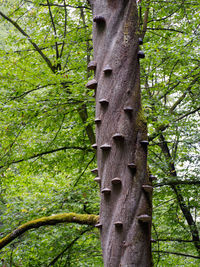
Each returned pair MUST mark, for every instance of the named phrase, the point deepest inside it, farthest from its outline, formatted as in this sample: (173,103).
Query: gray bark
(125,202)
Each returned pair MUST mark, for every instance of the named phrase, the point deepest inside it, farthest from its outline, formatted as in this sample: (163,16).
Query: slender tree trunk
(121,134)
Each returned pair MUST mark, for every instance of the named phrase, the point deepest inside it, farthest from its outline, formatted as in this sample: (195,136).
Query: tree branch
(166,17)
(54,29)
(30,91)
(180,99)
(88,127)
(51,220)
(190,182)
(173,240)
(65,31)
(157,132)
(47,152)
(68,246)
(163,127)
(184,208)
(176,253)
(59,5)
(16,25)
(164,29)
(146,15)
(188,113)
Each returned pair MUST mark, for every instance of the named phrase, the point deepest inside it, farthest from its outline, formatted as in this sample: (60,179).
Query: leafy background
(47,113)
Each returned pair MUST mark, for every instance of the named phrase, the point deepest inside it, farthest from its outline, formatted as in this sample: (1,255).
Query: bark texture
(126,192)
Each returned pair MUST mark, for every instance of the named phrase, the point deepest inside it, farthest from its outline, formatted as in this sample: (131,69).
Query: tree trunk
(121,134)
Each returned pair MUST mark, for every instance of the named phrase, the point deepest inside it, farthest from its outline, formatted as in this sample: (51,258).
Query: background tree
(47,126)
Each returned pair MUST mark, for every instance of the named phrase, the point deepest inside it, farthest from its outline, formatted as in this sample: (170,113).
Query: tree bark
(126,192)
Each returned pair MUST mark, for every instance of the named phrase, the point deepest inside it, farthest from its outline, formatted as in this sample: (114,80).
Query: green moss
(87,219)
(141,121)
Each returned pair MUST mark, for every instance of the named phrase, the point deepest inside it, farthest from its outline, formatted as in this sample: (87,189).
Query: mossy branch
(50,220)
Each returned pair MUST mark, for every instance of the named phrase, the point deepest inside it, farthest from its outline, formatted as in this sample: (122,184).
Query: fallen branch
(50,220)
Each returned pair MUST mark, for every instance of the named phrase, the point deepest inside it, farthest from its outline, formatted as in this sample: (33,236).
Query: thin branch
(189,182)
(158,245)
(14,141)
(188,113)
(59,129)
(180,99)
(146,15)
(54,29)
(164,18)
(59,5)
(51,220)
(16,25)
(158,130)
(173,240)
(176,253)
(162,128)
(76,182)
(48,152)
(89,129)
(164,29)
(30,91)
(32,50)
(184,208)
(181,80)
(68,246)
(65,31)
(170,75)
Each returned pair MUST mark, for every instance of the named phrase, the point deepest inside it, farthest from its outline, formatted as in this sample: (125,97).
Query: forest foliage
(47,129)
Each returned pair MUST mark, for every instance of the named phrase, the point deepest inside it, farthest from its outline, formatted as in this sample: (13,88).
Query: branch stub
(94,171)
(144,143)
(147,188)
(106,191)
(107,70)
(118,137)
(140,41)
(105,147)
(92,65)
(99,20)
(141,54)
(132,166)
(92,84)
(98,180)
(144,218)
(118,224)
(94,146)
(97,121)
(116,180)
(152,178)
(98,225)
(104,102)
(128,109)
